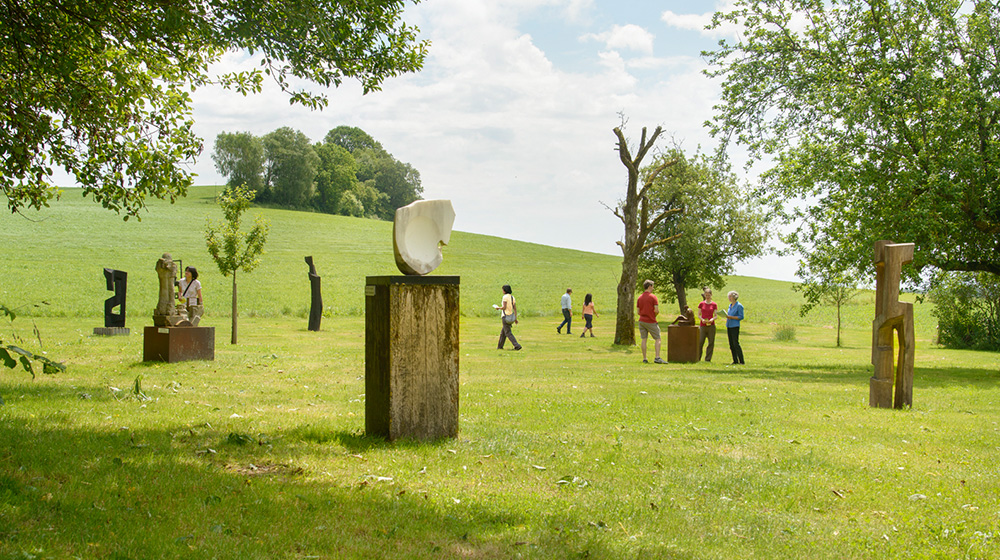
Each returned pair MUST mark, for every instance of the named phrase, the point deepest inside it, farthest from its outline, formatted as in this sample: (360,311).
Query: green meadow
(571,448)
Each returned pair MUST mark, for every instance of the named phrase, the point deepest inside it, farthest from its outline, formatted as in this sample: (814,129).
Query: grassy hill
(569,449)
(58,256)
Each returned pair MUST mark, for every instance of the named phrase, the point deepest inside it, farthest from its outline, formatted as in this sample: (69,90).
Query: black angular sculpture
(114,323)
(118,283)
(316,308)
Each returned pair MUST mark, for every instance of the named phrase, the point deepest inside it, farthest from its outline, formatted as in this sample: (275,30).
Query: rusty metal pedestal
(682,344)
(178,344)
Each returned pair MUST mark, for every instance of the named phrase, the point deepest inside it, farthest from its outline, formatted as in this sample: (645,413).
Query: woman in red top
(706,326)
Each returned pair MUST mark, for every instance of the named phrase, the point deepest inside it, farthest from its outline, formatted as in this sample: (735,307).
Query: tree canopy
(240,157)
(101,89)
(883,115)
(349,173)
(719,226)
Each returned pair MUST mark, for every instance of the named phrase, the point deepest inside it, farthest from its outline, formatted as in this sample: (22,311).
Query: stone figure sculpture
(165,314)
(686,319)
(316,306)
(117,282)
(892,318)
(418,231)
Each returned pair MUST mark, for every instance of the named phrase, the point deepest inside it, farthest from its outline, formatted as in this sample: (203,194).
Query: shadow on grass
(358,442)
(70,491)
(976,378)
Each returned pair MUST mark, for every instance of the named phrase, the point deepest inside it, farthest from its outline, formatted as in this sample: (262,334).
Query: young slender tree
(231,248)
(640,219)
(826,280)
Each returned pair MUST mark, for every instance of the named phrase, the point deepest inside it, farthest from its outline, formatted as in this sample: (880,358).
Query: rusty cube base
(178,344)
(682,344)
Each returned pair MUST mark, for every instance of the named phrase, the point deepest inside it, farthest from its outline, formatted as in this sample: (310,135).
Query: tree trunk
(625,321)
(682,298)
(233,339)
(838,324)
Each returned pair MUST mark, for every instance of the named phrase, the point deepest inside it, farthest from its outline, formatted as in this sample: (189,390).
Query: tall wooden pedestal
(411,356)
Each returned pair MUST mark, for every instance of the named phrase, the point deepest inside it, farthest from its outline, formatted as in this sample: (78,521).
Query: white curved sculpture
(418,231)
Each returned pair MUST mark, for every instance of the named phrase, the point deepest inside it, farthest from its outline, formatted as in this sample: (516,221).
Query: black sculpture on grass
(117,282)
(316,308)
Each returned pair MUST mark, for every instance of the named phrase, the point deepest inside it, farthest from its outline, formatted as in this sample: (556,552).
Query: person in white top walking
(567,309)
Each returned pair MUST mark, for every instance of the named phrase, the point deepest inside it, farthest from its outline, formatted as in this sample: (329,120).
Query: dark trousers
(568,318)
(506,333)
(706,332)
(734,344)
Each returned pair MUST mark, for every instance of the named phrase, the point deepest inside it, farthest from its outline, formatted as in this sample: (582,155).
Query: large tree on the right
(883,115)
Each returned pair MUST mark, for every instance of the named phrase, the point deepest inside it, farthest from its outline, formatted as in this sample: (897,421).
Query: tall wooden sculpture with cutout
(893,323)
(411,332)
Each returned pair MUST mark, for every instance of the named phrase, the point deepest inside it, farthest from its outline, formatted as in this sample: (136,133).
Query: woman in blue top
(733,317)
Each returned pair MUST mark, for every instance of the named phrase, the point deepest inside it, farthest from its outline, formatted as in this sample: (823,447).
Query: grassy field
(570,448)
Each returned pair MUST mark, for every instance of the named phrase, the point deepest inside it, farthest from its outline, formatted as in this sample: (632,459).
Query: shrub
(784,333)
(967,306)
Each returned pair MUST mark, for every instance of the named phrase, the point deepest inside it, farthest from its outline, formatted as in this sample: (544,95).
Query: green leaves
(102,89)
(719,225)
(881,121)
(231,248)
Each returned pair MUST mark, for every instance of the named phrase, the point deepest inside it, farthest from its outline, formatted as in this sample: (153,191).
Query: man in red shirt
(649,308)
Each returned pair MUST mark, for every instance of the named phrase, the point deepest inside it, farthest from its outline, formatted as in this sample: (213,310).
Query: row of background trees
(348,173)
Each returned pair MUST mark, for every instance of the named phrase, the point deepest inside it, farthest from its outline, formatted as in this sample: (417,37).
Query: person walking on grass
(588,315)
(508,318)
(706,326)
(649,308)
(733,317)
(567,310)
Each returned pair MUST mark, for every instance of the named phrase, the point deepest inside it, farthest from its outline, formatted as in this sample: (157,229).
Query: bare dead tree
(635,213)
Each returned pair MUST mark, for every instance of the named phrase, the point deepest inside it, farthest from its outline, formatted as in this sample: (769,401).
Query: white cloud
(624,37)
(495,125)
(699,21)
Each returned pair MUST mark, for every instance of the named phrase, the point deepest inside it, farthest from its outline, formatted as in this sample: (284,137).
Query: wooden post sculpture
(892,318)
(117,282)
(316,305)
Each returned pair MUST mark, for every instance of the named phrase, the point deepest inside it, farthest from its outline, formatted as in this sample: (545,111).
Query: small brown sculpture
(165,314)
(892,317)
(686,319)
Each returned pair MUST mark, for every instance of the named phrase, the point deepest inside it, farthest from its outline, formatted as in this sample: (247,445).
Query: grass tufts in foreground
(570,448)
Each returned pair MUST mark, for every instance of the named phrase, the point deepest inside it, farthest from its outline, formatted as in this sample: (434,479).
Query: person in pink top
(706,326)
(588,315)
(649,308)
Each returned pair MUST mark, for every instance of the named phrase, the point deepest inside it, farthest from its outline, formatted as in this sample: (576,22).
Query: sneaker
(645,361)
(584,334)
(659,361)
(517,348)
(558,330)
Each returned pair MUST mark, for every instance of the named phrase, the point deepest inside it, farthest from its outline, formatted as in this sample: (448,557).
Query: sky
(511,117)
